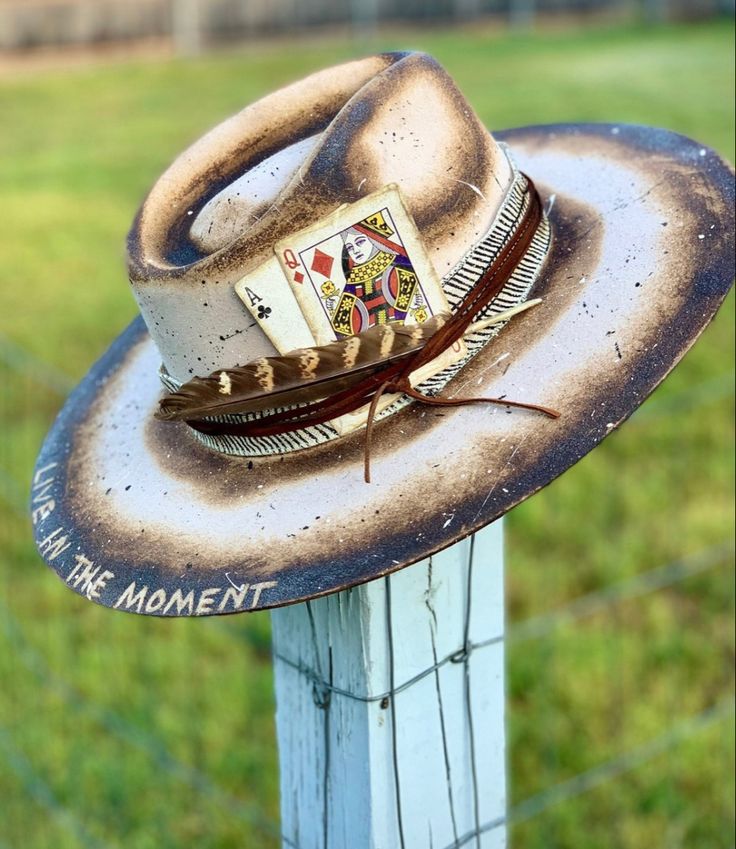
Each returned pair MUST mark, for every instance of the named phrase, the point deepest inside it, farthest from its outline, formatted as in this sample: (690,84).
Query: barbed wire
(522,812)
(321,685)
(541,626)
(626,762)
(537,627)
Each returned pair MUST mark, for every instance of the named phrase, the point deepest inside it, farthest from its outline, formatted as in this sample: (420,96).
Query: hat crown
(287,161)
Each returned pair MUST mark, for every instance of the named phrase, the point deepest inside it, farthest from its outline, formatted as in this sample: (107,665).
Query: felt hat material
(135,514)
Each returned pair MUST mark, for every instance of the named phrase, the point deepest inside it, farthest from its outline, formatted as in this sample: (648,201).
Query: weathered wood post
(390,707)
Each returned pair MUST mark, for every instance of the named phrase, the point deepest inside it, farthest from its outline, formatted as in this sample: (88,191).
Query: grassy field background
(127,731)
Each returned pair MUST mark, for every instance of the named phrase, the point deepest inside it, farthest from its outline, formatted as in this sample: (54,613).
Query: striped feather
(300,377)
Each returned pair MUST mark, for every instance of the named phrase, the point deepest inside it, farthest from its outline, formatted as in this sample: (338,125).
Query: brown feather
(302,376)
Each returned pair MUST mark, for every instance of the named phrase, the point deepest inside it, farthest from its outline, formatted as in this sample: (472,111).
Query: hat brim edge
(709,287)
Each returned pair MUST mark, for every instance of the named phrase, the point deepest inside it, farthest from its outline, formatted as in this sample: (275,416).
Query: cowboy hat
(242,252)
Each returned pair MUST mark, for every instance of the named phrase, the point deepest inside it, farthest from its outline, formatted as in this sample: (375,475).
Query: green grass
(160,734)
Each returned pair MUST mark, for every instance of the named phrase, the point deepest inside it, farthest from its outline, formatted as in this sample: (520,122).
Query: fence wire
(655,579)
(38,790)
(128,732)
(608,771)
(22,361)
(131,734)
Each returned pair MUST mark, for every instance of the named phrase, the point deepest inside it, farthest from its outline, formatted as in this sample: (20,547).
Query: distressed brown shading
(690,282)
(371,115)
(208,472)
(346,106)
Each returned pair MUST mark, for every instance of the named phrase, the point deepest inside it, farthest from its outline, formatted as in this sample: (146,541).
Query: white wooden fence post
(424,767)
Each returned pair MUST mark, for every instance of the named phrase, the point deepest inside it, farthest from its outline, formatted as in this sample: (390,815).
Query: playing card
(362,265)
(269,299)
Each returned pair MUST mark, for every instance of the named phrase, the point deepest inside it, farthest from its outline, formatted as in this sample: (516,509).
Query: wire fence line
(128,732)
(534,628)
(37,788)
(21,360)
(641,584)
(526,810)
(626,762)
(132,734)
(608,771)
(151,745)
(543,625)
(23,364)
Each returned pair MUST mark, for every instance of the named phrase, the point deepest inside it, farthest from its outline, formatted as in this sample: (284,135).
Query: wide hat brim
(135,514)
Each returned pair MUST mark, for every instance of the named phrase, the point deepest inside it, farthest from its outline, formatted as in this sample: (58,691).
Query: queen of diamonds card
(363,265)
